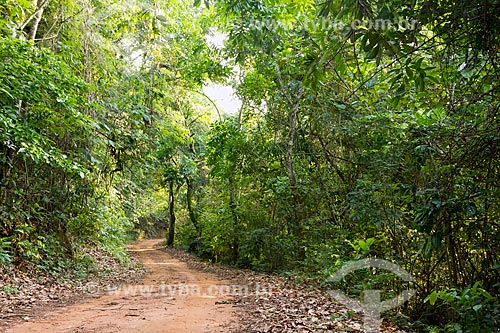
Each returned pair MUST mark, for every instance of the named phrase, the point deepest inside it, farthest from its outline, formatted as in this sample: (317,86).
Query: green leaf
(373,53)
(6,92)
(162,18)
(468,72)
(432,298)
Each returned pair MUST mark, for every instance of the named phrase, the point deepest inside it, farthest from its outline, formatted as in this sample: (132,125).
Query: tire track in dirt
(172,298)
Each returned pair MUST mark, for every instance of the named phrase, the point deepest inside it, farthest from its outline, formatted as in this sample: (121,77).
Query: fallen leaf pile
(269,303)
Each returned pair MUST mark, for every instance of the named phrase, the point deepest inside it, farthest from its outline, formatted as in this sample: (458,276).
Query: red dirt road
(172,298)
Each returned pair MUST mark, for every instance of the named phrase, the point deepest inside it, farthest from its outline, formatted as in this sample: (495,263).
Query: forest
(367,129)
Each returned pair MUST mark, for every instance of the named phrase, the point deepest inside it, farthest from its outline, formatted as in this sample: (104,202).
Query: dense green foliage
(95,110)
(366,132)
(368,129)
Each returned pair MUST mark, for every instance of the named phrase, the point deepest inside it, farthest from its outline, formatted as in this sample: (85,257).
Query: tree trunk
(290,168)
(171,213)
(192,214)
(297,227)
(40,4)
(236,225)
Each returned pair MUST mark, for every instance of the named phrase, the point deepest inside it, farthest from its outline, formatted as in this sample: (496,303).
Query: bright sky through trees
(224,96)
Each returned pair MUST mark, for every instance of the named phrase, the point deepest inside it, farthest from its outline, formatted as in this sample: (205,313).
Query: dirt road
(172,298)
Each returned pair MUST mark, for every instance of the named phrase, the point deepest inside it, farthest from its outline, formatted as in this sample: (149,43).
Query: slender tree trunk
(40,5)
(240,115)
(290,168)
(171,213)
(236,225)
(233,195)
(294,102)
(192,214)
